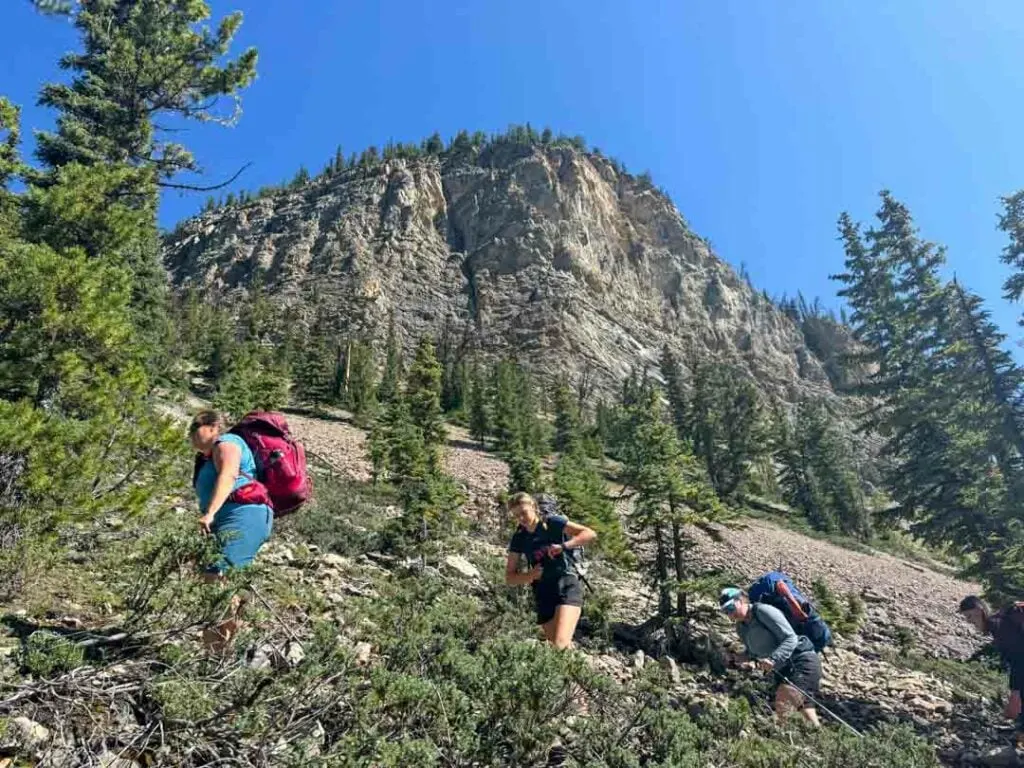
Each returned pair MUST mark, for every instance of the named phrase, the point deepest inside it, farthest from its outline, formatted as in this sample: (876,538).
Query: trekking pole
(819,705)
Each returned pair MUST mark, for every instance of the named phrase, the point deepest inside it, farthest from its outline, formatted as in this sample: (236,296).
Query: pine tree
(818,475)
(251,381)
(141,65)
(946,399)
(479,407)
(300,178)
(423,394)
(177,70)
(315,369)
(672,374)
(583,497)
(726,422)
(671,493)
(404,446)
(568,433)
(390,388)
(1011,221)
(362,385)
(434,145)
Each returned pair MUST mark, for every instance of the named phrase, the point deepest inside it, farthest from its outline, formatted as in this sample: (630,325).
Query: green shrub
(346,515)
(47,653)
(844,619)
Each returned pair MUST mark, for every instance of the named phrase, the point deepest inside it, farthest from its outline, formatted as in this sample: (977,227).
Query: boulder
(28,732)
(461,566)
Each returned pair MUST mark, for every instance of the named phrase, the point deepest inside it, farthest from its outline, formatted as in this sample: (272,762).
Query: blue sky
(763,119)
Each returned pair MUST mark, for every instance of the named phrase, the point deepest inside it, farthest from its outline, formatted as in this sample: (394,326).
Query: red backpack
(280,463)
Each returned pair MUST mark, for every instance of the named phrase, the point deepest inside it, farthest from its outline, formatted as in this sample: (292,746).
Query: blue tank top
(207,478)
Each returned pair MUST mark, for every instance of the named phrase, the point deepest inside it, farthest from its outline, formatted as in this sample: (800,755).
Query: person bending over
(770,640)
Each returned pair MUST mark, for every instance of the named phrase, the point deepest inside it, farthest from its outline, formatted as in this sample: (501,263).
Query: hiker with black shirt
(770,641)
(1006,627)
(547,543)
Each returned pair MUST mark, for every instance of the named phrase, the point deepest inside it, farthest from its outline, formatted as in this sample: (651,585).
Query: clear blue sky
(763,119)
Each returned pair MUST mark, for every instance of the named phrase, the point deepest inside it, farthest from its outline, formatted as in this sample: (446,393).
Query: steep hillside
(546,250)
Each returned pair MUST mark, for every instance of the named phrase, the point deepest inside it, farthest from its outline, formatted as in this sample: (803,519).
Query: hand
(534,574)
(765,665)
(1013,706)
(555,550)
(205,522)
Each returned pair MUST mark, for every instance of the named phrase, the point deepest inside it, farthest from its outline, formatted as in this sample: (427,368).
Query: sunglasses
(730,607)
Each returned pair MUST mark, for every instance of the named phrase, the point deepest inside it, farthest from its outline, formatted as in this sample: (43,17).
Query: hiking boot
(557,756)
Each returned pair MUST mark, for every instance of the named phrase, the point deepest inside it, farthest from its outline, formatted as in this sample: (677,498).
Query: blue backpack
(814,628)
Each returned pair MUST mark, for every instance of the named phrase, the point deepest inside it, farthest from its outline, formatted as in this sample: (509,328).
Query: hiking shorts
(804,670)
(241,529)
(548,594)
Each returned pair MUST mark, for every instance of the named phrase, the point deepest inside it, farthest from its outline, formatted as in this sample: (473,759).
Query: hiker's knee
(788,699)
(566,618)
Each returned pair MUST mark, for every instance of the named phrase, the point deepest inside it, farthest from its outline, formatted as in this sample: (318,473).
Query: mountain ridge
(546,249)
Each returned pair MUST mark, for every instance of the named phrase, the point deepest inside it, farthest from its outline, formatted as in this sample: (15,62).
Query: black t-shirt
(533,546)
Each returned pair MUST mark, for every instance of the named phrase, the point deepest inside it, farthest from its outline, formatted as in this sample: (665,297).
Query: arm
(776,623)
(579,536)
(512,575)
(227,459)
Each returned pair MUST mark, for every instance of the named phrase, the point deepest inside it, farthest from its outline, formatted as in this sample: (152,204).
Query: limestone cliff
(549,251)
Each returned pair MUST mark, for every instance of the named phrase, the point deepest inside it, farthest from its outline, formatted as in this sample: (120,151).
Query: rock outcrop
(548,251)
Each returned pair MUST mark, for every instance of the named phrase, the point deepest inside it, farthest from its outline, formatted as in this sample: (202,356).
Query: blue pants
(240,529)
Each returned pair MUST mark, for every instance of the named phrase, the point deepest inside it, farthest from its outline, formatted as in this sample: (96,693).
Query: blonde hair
(206,418)
(521,498)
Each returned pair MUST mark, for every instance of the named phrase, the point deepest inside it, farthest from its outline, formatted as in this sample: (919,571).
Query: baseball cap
(727,598)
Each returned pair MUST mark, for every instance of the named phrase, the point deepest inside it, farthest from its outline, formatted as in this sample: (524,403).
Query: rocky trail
(869,677)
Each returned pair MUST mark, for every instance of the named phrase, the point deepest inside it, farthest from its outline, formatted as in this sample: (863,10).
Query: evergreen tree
(315,369)
(518,431)
(141,64)
(1011,221)
(404,446)
(568,432)
(390,387)
(726,423)
(251,381)
(175,69)
(434,145)
(947,403)
(300,178)
(423,394)
(672,374)
(479,407)
(583,497)
(362,385)
(671,493)
(818,475)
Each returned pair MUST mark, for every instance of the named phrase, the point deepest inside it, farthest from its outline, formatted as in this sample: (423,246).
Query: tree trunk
(664,592)
(677,553)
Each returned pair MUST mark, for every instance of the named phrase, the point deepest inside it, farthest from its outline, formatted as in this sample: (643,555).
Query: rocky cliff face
(550,252)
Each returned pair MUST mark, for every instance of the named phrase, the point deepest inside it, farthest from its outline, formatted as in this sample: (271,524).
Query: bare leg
(566,618)
(549,630)
(787,700)
(218,637)
(811,716)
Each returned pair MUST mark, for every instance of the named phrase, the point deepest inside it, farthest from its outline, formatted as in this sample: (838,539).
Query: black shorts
(803,670)
(548,594)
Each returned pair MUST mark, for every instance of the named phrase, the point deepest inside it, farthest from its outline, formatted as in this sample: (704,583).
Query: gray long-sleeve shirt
(767,634)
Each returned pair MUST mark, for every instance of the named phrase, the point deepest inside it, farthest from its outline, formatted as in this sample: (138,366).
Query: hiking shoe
(557,756)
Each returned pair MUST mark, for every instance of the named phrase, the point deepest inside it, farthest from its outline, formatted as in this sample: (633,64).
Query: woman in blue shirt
(225,464)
